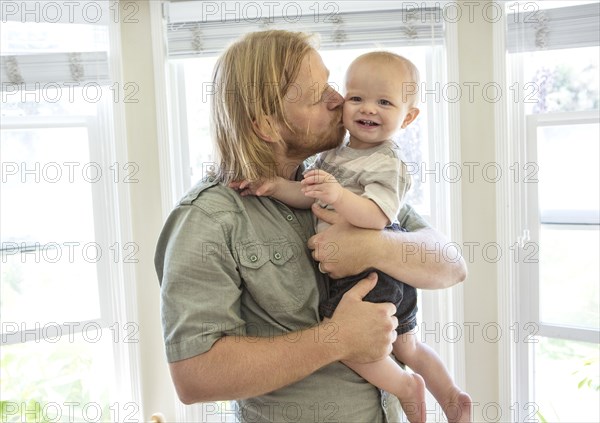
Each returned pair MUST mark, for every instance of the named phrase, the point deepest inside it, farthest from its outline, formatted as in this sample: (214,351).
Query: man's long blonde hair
(250,81)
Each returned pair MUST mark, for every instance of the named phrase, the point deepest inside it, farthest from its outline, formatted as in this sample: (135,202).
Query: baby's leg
(424,360)
(389,376)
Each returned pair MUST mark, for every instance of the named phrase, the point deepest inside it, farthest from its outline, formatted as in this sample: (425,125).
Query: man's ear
(410,116)
(265,129)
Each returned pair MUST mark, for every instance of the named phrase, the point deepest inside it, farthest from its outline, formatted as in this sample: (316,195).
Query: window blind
(55,44)
(44,70)
(564,27)
(365,29)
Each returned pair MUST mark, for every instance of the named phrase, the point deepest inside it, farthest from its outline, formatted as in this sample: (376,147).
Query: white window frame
(115,297)
(514,233)
(100,224)
(116,281)
(535,221)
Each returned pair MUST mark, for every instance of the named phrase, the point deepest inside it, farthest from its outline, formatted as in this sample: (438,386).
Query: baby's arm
(359,211)
(284,190)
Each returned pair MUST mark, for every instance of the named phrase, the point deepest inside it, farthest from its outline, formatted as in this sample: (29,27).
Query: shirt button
(277,256)
(289,217)
(253,258)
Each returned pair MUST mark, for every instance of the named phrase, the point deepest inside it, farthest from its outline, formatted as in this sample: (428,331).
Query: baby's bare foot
(458,407)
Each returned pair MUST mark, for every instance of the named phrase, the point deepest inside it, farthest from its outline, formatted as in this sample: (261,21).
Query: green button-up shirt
(235,266)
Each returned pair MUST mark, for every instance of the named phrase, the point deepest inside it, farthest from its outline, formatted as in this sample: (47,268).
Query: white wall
(157,390)
(479,216)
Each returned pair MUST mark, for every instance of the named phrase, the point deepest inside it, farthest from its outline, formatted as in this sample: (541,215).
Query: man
(239,289)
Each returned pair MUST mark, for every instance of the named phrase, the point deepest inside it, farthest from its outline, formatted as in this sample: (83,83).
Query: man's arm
(423,258)
(243,367)
(205,333)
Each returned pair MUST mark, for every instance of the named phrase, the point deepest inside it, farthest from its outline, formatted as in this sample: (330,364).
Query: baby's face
(374,107)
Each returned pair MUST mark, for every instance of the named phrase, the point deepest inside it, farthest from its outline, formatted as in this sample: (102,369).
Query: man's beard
(303,144)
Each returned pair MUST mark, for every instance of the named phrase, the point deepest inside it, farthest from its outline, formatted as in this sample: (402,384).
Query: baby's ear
(265,130)
(412,114)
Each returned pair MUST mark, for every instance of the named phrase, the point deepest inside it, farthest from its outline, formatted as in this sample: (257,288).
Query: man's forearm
(243,367)
(423,259)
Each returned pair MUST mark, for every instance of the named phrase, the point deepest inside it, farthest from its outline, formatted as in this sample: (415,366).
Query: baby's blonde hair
(387,57)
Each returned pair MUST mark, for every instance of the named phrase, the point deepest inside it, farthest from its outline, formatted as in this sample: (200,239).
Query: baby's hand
(260,188)
(322,186)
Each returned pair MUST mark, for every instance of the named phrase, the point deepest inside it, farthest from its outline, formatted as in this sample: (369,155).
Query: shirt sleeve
(386,182)
(200,285)
(410,220)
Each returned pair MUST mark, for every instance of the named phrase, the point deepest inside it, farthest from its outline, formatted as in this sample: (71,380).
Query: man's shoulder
(212,197)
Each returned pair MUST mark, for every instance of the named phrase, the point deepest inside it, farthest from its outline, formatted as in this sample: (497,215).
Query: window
(564,226)
(65,332)
(554,130)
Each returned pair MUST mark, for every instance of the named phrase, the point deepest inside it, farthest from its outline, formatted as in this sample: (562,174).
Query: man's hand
(365,331)
(327,246)
(322,186)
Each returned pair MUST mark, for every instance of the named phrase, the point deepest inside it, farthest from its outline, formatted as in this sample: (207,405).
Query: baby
(365,181)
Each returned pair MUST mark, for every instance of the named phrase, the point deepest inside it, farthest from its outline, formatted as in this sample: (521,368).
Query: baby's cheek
(347,114)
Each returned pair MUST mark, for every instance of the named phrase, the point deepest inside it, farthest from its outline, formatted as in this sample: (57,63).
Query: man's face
(314,111)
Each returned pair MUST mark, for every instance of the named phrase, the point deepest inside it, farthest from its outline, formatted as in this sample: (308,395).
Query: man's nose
(334,100)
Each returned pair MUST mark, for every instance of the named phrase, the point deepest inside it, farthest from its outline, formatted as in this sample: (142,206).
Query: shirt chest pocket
(272,274)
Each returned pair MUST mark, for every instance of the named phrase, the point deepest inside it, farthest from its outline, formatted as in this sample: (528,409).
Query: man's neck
(287,168)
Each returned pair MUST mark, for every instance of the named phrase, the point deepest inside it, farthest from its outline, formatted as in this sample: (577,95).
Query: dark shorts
(387,290)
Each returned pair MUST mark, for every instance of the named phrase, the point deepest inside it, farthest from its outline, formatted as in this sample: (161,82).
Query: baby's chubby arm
(358,211)
(284,190)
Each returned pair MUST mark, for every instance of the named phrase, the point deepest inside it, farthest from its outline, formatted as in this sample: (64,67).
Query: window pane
(569,275)
(54,374)
(47,185)
(569,177)
(41,287)
(560,367)
(47,227)
(198,77)
(561,81)
(50,100)
(45,36)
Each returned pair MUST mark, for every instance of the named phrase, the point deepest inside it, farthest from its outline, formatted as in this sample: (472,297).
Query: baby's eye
(385,102)
(354,98)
